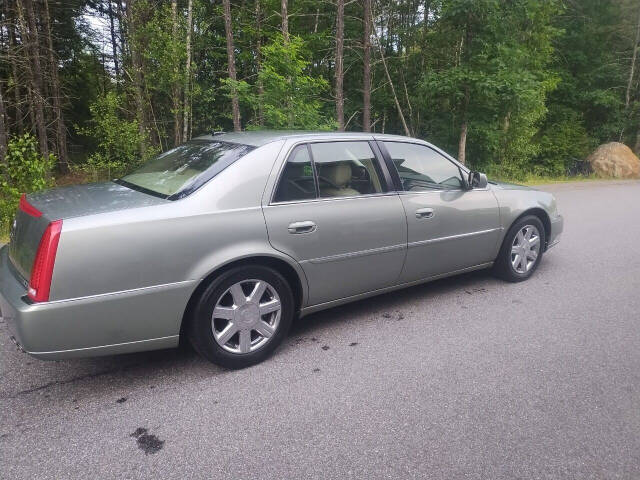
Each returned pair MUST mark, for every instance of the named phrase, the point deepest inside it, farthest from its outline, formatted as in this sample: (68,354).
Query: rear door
(332,211)
(449,228)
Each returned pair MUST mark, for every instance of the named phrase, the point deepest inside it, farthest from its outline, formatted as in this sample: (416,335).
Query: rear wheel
(521,250)
(242,316)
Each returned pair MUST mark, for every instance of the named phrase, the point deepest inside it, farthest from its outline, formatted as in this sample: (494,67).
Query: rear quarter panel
(173,242)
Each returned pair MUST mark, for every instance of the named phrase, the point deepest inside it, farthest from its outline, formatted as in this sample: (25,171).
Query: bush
(118,139)
(25,170)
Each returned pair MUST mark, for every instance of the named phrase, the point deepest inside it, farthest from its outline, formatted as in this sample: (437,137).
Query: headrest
(338,174)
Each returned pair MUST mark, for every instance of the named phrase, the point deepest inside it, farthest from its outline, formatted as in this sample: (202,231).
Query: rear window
(178,172)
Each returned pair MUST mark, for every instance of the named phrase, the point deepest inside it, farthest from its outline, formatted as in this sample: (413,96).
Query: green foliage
(545,79)
(291,97)
(24,170)
(497,78)
(118,139)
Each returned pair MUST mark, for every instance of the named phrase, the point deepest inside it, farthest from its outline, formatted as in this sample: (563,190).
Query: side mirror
(477,180)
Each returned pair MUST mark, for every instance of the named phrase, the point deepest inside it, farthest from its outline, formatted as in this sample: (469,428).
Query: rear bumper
(557,225)
(120,322)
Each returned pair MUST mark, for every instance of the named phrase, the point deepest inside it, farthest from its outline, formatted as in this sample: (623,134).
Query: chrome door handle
(424,213)
(302,227)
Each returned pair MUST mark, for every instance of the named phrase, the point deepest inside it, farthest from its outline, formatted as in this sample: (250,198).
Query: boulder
(615,160)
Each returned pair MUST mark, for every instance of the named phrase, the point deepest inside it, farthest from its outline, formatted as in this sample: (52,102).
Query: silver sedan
(226,238)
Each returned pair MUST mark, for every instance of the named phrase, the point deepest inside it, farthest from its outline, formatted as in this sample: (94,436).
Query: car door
(332,212)
(450,228)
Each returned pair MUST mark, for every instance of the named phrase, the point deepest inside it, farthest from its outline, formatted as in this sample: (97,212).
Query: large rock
(615,160)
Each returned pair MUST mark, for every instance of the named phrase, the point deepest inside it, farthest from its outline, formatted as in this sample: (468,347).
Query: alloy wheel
(246,316)
(525,249)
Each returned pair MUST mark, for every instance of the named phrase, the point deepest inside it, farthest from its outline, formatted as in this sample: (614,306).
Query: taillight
(42,271)
(27,208)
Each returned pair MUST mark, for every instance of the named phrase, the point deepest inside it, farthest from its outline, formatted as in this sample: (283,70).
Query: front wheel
(521,250)
(242,316)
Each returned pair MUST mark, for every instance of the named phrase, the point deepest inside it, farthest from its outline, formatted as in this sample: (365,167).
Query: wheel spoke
(245,341)
(523,263)
(223,312)
(226,334)
(520,238)
(516,261)
(532,254)
(515,250)
(527,233)
(257,292)
(270,306)
(534,242)
(264,329)
(239,298)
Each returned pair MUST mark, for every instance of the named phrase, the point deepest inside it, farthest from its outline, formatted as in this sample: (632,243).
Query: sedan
(225,239)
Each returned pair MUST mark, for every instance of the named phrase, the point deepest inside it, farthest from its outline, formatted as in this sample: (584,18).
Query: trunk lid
(63,203)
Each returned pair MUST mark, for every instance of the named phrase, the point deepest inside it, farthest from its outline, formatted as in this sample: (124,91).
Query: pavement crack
(79,378)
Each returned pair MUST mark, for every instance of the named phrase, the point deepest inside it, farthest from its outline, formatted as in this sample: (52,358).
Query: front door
(449,228)
(331,212)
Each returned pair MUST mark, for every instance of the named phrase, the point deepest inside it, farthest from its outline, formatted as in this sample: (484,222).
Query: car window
(179,171)
(422,168)
(345,169)
(297,180)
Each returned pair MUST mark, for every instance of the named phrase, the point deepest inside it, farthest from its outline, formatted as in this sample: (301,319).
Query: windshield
(178,172)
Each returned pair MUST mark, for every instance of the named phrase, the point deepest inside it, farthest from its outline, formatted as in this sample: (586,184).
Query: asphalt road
(467,377)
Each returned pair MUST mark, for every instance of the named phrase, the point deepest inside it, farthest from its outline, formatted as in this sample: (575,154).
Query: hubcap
(246,316)
(525,249)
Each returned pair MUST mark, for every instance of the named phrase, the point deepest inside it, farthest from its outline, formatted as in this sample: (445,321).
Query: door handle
(302,227)
(425,213)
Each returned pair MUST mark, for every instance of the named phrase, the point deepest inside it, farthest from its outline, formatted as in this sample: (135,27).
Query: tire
(504,265)
(221,337)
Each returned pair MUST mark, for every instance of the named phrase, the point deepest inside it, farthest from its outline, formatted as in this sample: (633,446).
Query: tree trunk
(187,74)
(138,80)
(393,90)
(285,21)
(464,127)
(339,73)
(366,76)
(3,128)
(636,46)
(634,55)
(121,28)
(61,131)
(259,64)
(30,33)
(231,61)
(175,94)
(17,98)
(114,43)
(462,144)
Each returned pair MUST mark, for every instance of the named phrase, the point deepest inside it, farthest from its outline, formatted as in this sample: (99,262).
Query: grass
(532,179)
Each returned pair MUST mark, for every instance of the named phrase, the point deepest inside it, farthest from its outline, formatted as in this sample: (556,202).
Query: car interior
(336,178)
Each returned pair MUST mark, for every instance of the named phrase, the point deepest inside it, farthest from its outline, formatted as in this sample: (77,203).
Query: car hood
(89,199)
(508,186)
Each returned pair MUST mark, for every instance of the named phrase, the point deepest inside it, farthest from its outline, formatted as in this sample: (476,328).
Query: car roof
(258,138)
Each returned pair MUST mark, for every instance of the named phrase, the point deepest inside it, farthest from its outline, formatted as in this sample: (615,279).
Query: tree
(231,66)
(340,65)
(366,60)
(3,128)
(291,98)
(29,32)
(61,131)
(175,90)
(134,9)
(284,13)
(187,77)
